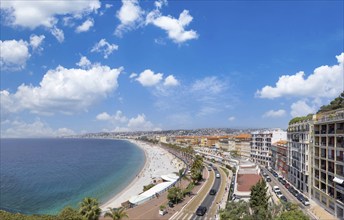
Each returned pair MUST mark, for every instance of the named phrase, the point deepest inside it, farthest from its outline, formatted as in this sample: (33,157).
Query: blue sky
(71,67)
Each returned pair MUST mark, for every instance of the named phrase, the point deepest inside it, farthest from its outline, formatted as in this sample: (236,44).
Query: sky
(71,67)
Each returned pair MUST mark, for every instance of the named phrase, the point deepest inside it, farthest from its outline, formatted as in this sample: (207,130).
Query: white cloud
(138,123)
(36,42)
(32,14)
(118,117)
(175,28)
(211,85)
(58,34)
(231,118)
(141,124)
(325,81)
(148,78)
(14,54)
(171,81)
(130,15)
(158,4)
(84,27)
(63,90)
(104,47)
(21,129)
(108,6)
(274,114)
(133,75)
(84,62)
(301,108)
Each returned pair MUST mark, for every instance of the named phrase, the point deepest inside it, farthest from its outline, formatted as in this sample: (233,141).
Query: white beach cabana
(139,199)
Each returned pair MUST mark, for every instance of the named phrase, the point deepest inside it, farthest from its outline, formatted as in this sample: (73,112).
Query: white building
(261,144)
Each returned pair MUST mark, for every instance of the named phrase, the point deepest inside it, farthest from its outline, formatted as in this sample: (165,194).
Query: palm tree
(181,176)
(89,208)
(116,214)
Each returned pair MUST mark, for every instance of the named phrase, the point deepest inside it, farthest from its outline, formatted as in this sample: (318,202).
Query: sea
(42,176)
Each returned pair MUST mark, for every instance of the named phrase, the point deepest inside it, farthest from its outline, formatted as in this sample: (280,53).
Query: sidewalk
(319,212)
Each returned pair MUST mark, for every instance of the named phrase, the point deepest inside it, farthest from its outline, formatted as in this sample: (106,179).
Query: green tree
(334,104)
(292,215)
(259,200)
(235,211)
(175,195)
(68,213)
(89,208)
(116,214)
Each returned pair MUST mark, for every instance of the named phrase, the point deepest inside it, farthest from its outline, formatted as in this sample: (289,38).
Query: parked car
(209,168)
(214,168)
(217,175)
(201,210)
(268,179)
(280,178)
(212,192)
(291,189)
(275,174)
(283,199)
(296,193)
(305,202)
(283,182)
(286,185)
(279,194)
(300,197)
(276,188)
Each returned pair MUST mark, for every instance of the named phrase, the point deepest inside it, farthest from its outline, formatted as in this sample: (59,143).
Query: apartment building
(279,157)
(299,154)
(328,162)
(261,145)
(242,145)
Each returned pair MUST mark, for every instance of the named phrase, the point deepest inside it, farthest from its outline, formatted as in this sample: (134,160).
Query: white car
(276,188)
(217,175)
(279,194)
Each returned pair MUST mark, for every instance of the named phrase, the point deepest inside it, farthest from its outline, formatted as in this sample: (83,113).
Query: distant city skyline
(131,65)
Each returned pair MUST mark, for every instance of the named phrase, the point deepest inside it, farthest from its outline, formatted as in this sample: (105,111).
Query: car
(283,182)
(300,197)
(275,174)
(214,168)
(305,201)
(212,192)
(280,178)
(217,175)
(291,189)
(283,199)
(276,188)
(279,194)
(209,168)
(170,204)
(286,185)
(268,179)
(201,210)
(296,193)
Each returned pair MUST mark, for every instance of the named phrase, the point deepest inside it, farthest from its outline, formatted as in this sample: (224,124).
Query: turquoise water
(41,176)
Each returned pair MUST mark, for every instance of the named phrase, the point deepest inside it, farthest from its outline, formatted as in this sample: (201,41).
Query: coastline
(157,162)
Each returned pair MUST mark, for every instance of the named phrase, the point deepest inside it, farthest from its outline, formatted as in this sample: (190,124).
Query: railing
(340,131)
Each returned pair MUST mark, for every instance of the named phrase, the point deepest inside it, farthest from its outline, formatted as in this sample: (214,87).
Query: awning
(337,180)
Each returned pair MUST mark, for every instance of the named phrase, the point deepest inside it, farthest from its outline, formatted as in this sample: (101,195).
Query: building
(247,175)
(328,161)
(299,155)
(261,145)
(279,157)
(242,145)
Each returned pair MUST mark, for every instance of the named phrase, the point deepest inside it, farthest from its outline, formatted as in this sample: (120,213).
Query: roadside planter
(162,210)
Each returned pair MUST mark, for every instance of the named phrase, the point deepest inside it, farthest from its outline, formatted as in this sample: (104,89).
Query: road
(287,194)
(208,201)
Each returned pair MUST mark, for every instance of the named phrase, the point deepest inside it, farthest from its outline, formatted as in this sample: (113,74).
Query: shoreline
(158,162)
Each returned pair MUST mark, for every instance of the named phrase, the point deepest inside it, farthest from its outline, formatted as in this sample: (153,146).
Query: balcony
(331,131)
(323,132)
